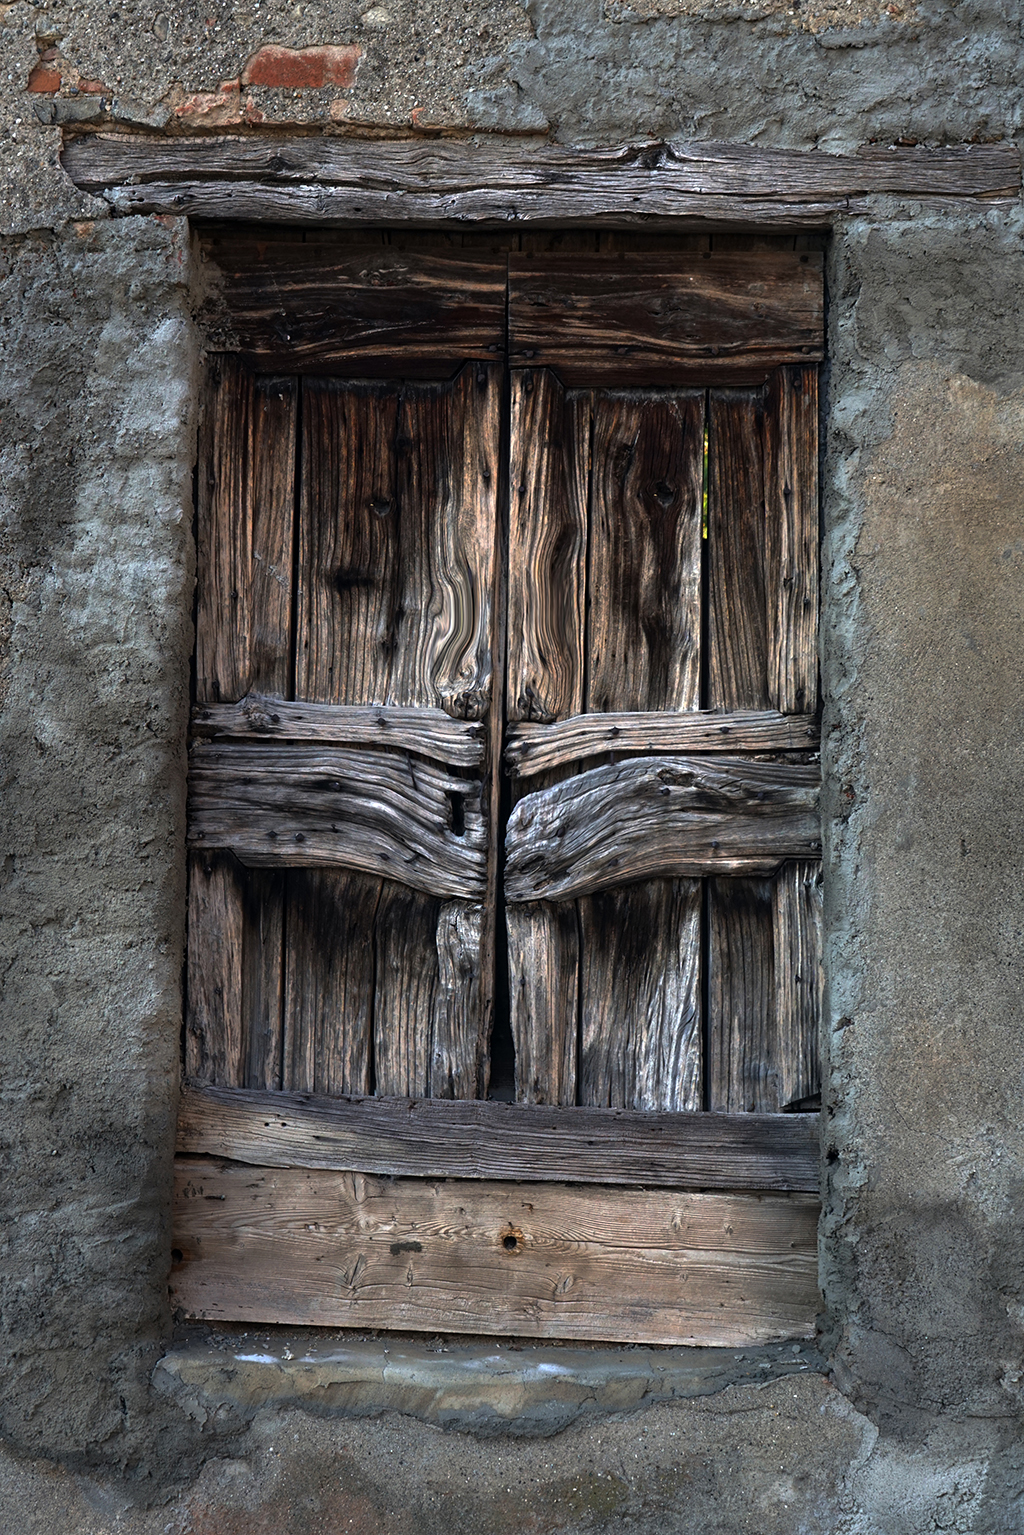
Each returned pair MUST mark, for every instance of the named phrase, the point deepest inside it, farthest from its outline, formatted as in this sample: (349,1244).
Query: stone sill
(478,1387)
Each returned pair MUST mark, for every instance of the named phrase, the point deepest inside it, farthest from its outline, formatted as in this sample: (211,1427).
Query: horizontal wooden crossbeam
(346,1250)
(424,731)
(663,816)
(378,811)
(325,180)
(437,1138)
(536,748)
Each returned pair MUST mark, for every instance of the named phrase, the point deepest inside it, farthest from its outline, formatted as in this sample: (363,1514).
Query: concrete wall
(917,1427)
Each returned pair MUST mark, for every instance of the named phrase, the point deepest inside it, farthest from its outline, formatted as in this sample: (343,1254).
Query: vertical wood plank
(427,1007)
(263,976)
(447,483)
(743,1060)
(349,543)
(245,524)
(543,961)
(643,593)
(397,559)
(640,1045)
(407,983)
(549,474)
(640,1026)
(798,978)
(329,981)
(737,615)
(549,481)
(791,495)
(214,1049)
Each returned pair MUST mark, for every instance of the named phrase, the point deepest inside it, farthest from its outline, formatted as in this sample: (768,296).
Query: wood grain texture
(425,732)
(549,492)
(397,544)
(799,980)
(214,1038)
(329,981)
(678,816)
(427,1036)
(246,500)
(690,317)
(371,309)
(543,966)
(437,181)
(375,811)
(791,494)
(533,749)
(737,607)
(263,902)
(643,593)
(743,1060)
(640,1036)
(342,1249)
(405,1137)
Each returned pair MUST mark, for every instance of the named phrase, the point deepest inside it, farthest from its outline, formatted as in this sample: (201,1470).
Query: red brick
(44,79)
(212,109)
(93,87)
(303,68)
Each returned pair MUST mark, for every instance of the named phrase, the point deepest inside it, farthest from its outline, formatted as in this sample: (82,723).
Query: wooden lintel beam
(344,181)
(435,1138)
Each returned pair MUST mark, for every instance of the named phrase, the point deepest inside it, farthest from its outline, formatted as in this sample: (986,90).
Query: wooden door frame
(348,182)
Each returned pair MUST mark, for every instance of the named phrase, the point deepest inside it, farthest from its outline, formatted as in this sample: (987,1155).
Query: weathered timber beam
(342,1249)
(431,1138)
(426,732)
(663,817)
(438,181)
(536,748)
(382,812)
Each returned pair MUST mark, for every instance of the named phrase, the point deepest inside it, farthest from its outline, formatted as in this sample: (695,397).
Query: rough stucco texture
(97,391)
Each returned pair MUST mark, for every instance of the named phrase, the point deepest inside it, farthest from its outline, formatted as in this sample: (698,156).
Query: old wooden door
(504,787)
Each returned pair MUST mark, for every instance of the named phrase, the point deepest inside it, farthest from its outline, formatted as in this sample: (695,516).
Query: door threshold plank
(339,1249)
(438,1138)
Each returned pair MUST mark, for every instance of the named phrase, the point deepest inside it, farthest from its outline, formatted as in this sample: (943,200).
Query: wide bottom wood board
(340,1249)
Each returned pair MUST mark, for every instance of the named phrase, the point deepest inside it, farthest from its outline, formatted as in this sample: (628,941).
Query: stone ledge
(479,1387)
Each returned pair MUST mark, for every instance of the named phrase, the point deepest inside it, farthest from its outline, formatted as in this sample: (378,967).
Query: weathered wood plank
(643,595)
(536,748)
(525,1142)
(743,1059)
(737,612)
(427,732)
(427,1009)
(214,1032)
(245,514)
(342,1249)
(543,963)
(673,816)
(437,181)
(329,980)
(640,1037)
(797,912)
(397,542)
(549,489)
(690,317)
(263,898)
(375,811)
(371,309)
(791,493)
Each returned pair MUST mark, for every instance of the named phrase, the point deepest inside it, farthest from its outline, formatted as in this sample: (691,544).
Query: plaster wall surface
(917,1427)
